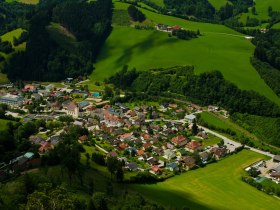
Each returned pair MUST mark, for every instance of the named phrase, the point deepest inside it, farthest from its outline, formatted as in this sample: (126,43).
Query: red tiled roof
(178,139)
(83,138)
(155,168)
(123,146)
(193,145)
(147,145)
(140,152)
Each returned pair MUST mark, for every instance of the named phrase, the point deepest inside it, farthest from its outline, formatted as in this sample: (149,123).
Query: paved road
(230,142)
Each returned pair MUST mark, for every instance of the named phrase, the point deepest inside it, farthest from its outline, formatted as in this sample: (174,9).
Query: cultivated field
(217,186)
(219,48)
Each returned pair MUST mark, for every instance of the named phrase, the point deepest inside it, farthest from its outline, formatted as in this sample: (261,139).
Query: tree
(112,165)
(99,201)
(119,174)
(253,10)
(108,92)
(194,128)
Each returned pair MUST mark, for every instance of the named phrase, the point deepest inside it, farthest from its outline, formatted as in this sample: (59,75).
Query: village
(162,140)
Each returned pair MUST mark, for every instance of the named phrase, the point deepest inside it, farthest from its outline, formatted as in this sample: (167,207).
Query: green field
(25,1)
(220,48)
(262,10)
(217,4)
(217,186)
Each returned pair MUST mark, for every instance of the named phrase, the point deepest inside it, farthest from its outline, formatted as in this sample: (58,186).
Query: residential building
(12,100)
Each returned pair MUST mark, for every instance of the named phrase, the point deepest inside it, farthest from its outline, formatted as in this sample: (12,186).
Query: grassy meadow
(217,186)
(219,48)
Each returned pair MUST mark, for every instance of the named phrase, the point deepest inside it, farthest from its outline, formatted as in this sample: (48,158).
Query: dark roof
(277,158)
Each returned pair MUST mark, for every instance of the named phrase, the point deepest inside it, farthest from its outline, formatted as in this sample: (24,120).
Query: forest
(49,59)
(268,47)
(206,88)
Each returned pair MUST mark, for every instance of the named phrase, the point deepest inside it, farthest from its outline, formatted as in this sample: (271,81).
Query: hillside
(212,187)
(217,49)
(261,10)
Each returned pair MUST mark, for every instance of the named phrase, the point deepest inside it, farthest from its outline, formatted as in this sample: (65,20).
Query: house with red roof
(193,146)
(155,170)
(179,140)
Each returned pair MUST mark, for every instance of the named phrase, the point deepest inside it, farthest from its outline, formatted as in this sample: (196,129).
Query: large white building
(73,110)
(12,100)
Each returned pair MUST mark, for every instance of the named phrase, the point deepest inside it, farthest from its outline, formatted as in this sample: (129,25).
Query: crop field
(219,48)
(217,186)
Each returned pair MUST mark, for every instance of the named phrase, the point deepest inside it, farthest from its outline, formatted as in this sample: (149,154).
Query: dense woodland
(206,88)
(51,59)
(268,47)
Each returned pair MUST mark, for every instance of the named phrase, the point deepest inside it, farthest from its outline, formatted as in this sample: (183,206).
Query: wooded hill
(64,39)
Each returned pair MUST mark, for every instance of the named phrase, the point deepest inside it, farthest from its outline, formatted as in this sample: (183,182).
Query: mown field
(217,186)
(219,48)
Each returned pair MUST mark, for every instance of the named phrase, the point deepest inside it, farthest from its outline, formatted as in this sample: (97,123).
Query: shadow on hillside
(171,198)
(142,46)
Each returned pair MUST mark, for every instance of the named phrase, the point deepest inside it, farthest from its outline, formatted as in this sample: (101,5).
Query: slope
(217,186)
(220,48)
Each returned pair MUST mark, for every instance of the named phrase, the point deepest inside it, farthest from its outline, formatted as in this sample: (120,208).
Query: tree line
(206,88)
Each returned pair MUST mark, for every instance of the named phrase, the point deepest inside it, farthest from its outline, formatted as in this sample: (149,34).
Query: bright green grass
(262,10)
(217,186)
(25,1)
(220,48)
(276,26)
(217,4)
(158,2)
(10,37)
(211,140)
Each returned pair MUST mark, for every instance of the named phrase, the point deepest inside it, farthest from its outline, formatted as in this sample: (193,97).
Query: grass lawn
(217,186)
(218,49)
(25,1)
(217,4)
(212,140)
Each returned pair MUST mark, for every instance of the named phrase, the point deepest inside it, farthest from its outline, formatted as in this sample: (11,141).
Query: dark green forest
(46,58)
(206,88)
